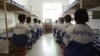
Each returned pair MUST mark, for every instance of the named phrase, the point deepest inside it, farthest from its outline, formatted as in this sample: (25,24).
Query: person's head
(39,21)
(35,20)
(28,20)
(67,18)
(22,18)
(56,21)
(61,19)
(81,16)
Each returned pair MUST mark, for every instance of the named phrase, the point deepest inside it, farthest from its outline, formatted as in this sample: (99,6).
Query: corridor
(45,46)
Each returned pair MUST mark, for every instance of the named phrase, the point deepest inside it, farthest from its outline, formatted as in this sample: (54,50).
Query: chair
(20,42)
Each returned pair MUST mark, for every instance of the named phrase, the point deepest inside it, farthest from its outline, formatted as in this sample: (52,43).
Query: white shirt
(22,29)
(66,25)
(55,25)
(30,25)
(35,27)
(40,26)
(79,33)
(61,26)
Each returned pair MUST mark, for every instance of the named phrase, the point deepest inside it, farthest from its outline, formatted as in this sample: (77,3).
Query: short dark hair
(39,21)
(35,20)
(81,15)
(56,21)
(28,19)
(61,19)
(67,18)
(21,17)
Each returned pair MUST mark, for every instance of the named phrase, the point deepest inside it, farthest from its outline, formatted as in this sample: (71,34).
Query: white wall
(94,23)
(37,7)
(10,20)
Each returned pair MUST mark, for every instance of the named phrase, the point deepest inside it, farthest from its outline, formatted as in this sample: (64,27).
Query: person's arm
(66,39)
(28,32)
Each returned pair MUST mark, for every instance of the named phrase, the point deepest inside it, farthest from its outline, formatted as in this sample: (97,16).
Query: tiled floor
(45,46)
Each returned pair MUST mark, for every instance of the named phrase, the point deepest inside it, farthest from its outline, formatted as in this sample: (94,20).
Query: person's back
(21,27)
(79,37)
(80,33)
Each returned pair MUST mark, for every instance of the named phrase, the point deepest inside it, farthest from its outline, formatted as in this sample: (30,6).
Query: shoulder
(26,26)
(70,29)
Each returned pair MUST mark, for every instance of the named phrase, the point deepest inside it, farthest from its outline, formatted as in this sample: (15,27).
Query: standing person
(78,38)
(22,28)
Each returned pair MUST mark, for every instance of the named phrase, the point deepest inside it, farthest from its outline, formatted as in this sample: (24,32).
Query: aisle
(45,46)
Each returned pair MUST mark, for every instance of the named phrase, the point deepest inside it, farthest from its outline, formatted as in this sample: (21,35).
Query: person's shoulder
(31,24)
(17,23)
(25,26)
(71,28)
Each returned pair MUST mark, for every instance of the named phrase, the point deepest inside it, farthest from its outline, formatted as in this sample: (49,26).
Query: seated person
(36,28)
(55,28)
(78,38)
(40,27)
(30,26)
(29,22)
(21,28)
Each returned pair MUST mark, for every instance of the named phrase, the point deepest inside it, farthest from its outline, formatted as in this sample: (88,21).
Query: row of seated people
(36,28)
(60,28)
(76,39)
(25,34)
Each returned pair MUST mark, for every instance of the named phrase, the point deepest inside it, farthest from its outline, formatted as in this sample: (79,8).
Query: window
(51,11)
